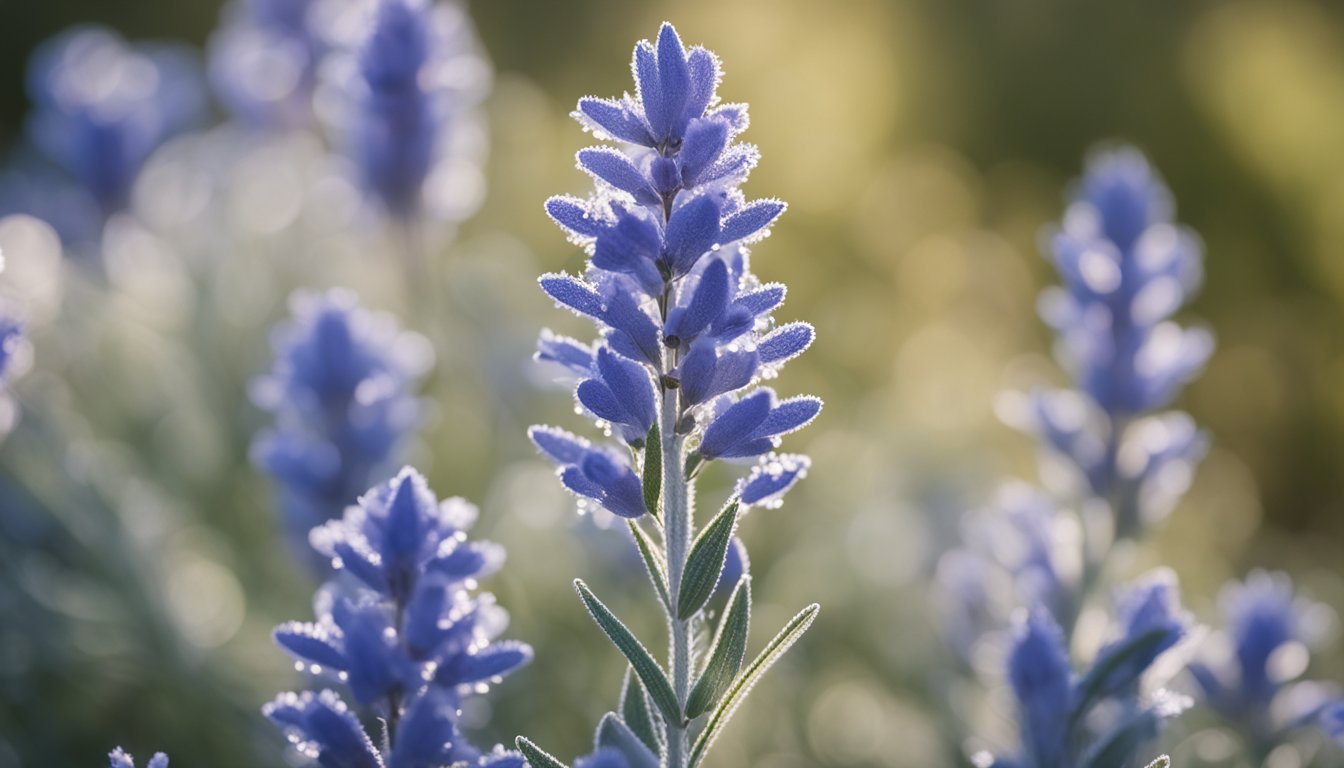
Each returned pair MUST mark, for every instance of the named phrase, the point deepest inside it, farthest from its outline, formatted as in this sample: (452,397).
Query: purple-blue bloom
(668,284)
(1263,647)
(400,102)
(263,61)
(1097,717)
(119,758)
(405,634)
(101,106)
(341,394)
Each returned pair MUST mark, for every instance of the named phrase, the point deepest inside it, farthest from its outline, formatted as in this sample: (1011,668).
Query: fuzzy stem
(677,542)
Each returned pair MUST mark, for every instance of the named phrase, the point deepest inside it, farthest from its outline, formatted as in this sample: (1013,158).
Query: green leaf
(743,685)
(613,733)
(1096,683)
(705,562)
(692,464)
(727,654)
(650,674)
(636,714)
(1161,762)
(653,563)
(653,470)
(535,756)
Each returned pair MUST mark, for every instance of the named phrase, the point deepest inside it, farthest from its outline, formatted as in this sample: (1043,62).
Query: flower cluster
(102,106)
(264,59)
(687,334)
(341,394)
(402,94)
(686,327)
(403,632)
(1127,268)
(1098,717)
(118,758)
(1263,647)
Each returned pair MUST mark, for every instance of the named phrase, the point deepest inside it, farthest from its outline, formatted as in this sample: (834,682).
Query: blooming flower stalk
(1126,268)
(341,392)
(102,106)
(403,633)
(1251,674)
(401,103)
(687,334)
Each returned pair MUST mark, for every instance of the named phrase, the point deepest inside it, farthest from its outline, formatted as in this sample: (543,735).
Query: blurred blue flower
(1097,718)
(405,634)
(263,61)
(404,93)
(341,394)
(680,314)
(101,106)
(1267,635)
(1127,268)
(118,758)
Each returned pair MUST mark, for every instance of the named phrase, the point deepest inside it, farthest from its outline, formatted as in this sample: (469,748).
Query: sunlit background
(923,148)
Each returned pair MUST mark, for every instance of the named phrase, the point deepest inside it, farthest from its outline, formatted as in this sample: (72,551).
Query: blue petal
(789,415)
(573,293)
(705,141)
(1039,673)
(648,90)
(736,424)
(611,166)
(420,628)
(706,305)
(597,397)
(118,758)
(772,478)
(468,560)
(611,116)
(674,82)
(159,760)
(696,372)
(621,490)
(503,760)
(606,757)
(560,446)
(630,383)
(703,68)
(625,316)
(691,232)
(322,723)
(490,662)
(309,642)
(785,342)
(570,353)
(573,214)
(632,247)
(751,221)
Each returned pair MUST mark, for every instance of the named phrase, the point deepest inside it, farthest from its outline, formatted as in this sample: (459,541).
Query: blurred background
(922,147)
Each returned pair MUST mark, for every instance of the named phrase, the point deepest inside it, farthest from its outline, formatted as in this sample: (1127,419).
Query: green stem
(677,541)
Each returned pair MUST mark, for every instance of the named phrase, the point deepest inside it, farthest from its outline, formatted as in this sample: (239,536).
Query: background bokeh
(922,147)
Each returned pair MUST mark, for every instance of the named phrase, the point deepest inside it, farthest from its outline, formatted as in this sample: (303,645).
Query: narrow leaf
(705,562)
(535,756)
(653,470)
(614,734)
(653,563)
(1100,681)
(743,685)
(636,714)
(1161,762)
(727,654)
(650,674)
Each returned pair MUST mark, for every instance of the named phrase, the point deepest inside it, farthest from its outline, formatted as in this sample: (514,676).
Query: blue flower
(1127,268)
(404,98)
(118,758)
(771,478)
(405,633)
(263,61)
(1265,626)
(102,106)
(340,391)
(596,473)
(668,283)
(1042,683)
